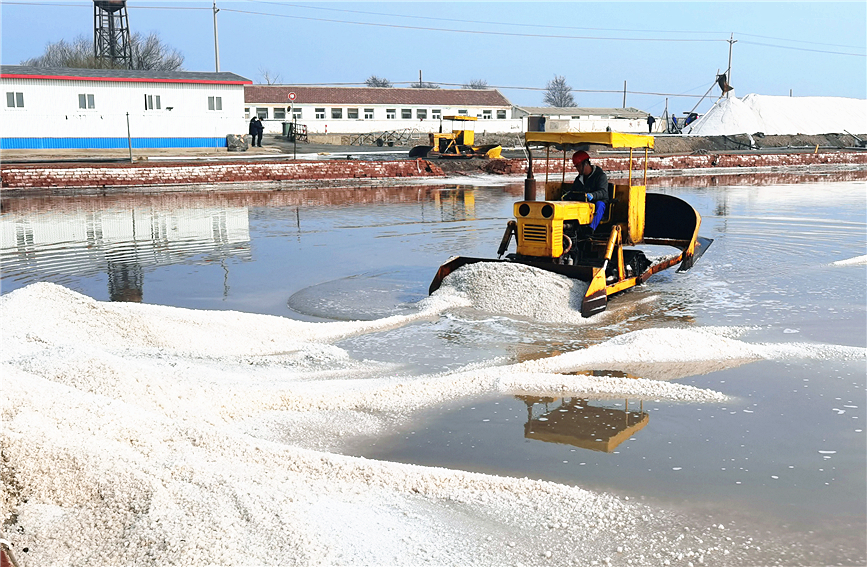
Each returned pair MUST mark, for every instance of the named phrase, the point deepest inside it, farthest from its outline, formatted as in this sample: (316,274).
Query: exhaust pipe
(530,181)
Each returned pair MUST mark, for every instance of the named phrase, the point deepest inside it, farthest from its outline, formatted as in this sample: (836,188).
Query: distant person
(691,118)
(256,131)
(650,122)
(591,186)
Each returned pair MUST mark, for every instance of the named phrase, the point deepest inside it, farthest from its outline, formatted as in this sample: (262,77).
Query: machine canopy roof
(610,139)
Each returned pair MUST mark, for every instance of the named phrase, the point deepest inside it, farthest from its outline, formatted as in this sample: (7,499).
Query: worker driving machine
(556,235)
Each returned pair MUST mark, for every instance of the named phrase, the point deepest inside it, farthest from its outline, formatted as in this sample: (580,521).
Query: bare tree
(374,81)
(151,53)
(423,85)
(558,93)
(476,84)
(77,53)
(268,77)
(147,53)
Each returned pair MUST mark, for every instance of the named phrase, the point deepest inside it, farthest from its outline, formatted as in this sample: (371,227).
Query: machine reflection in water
(458,204)
(575,421)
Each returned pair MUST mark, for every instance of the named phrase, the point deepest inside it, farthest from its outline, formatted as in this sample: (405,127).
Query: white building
(356,110)
(578,119)
(110,108)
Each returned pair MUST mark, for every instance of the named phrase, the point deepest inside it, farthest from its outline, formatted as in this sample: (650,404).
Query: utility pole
(731,41)
(665,114)
(624,94)
(419,78)
(216,41)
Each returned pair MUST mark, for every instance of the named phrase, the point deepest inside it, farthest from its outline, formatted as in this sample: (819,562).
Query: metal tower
(111,40)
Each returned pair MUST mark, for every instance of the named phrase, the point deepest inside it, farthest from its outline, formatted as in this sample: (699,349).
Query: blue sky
(661,50)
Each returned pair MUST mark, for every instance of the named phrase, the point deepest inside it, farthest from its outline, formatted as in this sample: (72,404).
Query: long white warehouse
(110,108)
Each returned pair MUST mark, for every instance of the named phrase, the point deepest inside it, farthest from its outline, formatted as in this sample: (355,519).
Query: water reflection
(122,242)
(456,204)
(123,238)
(755,179)
(577,422)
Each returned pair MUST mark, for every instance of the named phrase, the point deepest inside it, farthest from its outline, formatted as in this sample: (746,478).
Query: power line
(798,40)
(475,32)
(503,87)
(537,25)
(478,32)
(802,49)
(474,21)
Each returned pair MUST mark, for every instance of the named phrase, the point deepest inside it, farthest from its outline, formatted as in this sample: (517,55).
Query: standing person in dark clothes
(591,186)
(650,121)
(256,131)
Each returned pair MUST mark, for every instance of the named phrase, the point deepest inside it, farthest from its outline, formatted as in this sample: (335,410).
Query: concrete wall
(137,175)
(41,176)
(677,162)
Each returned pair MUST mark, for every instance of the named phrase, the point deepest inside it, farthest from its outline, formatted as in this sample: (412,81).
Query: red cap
(579,157)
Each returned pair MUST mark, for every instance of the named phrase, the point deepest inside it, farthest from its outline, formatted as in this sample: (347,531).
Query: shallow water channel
(787,453)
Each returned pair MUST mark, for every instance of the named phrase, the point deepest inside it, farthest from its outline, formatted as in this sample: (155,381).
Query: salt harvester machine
(459,143)
(555,235)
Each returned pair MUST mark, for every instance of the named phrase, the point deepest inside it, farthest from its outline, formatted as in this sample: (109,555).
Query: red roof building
(348,110)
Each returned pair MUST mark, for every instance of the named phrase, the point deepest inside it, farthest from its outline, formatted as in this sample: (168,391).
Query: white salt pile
(139,433)
(781,115)
(856,261)
(516,289)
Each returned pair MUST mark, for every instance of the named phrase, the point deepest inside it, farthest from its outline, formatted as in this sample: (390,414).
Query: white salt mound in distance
(516,289)
(781,115)
(856,261)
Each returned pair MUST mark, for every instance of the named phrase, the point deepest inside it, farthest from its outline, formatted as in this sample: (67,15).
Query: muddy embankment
(672,156)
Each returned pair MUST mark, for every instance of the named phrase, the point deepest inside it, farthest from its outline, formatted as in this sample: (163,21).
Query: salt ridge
(856,261)
(171,422)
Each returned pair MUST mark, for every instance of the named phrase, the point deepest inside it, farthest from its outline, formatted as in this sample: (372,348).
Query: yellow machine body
(461,134)
(540,225)
(626,209)
(598,257)
(459,143)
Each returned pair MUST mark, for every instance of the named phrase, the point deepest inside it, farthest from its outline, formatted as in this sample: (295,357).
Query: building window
(86,101)
(262,113)
(487,115)
(296,112)
(152,102)
(336,113)
(463,111)
(214,103)
(247,112)
(14,100)
(320,113)
(406,113)
(421,113)
(390,113)
(436,113)
(368,114)
(279,114)
(501,115)
(352,113)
